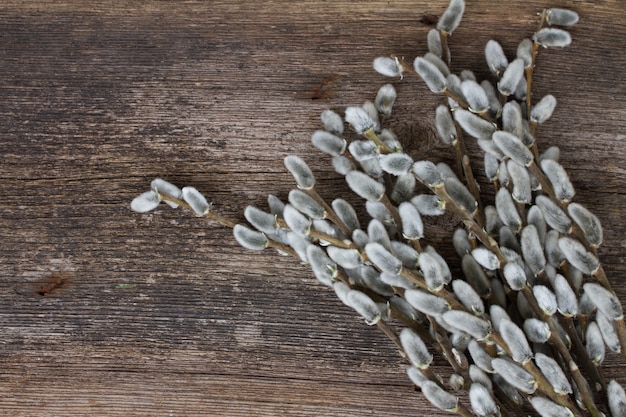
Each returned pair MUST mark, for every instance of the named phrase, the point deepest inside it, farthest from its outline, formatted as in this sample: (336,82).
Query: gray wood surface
(163,314)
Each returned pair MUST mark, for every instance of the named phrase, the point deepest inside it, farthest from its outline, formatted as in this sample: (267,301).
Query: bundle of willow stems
(532,315)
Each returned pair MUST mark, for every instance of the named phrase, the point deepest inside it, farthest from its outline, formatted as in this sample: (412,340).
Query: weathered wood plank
(99,99)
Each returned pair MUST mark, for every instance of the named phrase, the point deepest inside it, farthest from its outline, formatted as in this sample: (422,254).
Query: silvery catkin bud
(145,202)
(426,303)
(451,18)
(511,77)
(328,142)
(346,213)
(617,399)
(262,221)
(412,225)
(168,189)
(553,373)
(363,150)
(360,238)
(447,275)
(297,222)
(565,296)
(545,299)
(445,125)
(460,194)
(495,108)
(515,375)
(397,281)
(512,119)
(486,258)
(382,258)
(276,205)
(365,186)
(563,188)
(552,213)
(385,98)
(431,75)
(553,152)
(479,376)
(468,323)
(341,290)
(468,296)
(434,273)
(543,109)
(588,223)
(525,52)
(548,408)
(396,163)
(498,315)
(439,397)
(553,254)
(407,254)
(506,209)
(515,276)
(482,402)
(250,239)
(359,119)
(372,111)
(521,182)
(416,376)
(323,267)
(342,165)
(438,62)
(561,17)
(605,300)
(475,96)
(404,188)
(389,67)
(196,201)
(377,232)
(300,172)
(513,147)
(476,276)
(306,204)
(515,339)
(535,217)
(415,349)
(347,258)
(594,343)
(537,331)
(607,328)
(333,123)
(492,166)
(577,255)
(532,250)
(480,357)
(461,243)
(474,125)
(551,37)
(427,173)
(454,85)
(508,240)
(363,305)
(433,41)
(496,60)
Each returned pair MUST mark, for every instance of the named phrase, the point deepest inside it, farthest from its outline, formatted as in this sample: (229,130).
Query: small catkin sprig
(533,316)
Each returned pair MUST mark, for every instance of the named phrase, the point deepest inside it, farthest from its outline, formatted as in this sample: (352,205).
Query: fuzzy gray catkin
(145,202)
(196,201)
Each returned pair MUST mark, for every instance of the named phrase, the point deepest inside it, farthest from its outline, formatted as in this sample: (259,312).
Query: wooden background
(165,314)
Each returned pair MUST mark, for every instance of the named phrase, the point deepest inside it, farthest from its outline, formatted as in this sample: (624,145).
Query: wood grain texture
(165,315)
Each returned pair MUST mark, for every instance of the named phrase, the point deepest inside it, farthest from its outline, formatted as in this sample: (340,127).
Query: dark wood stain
(99,98)
(54,283)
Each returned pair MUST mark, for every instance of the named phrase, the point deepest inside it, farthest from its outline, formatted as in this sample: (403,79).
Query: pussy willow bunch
(532,314)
